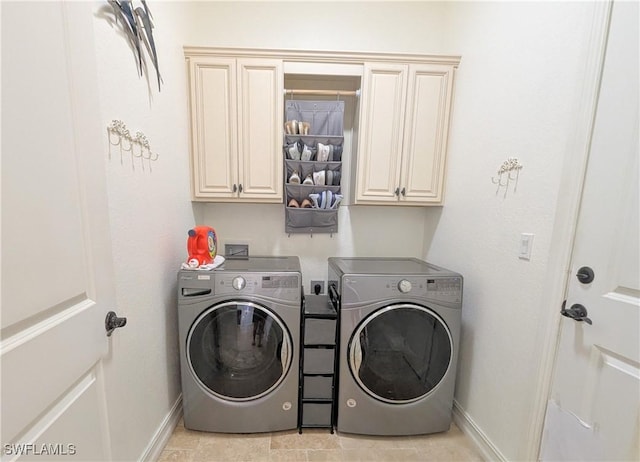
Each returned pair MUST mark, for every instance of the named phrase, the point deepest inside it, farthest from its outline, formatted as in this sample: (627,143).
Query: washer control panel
(248,283)
(445,289)
(194,285)
(280,282)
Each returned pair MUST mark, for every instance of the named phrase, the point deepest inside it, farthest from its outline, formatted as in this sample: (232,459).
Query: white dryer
(399,338)
(239,331)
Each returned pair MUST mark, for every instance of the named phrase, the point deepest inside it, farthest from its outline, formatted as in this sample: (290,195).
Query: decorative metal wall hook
(509,171)
(138,146)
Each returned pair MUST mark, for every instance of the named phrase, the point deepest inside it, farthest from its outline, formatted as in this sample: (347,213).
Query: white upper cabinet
(405,113)
(236,119)
(399,139)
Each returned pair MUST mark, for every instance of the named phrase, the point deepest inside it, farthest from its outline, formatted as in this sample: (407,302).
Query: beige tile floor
(316,445)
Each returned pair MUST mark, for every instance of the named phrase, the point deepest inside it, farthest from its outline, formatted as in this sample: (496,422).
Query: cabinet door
(425,133)
(214,149)
(260,103)
(380,143)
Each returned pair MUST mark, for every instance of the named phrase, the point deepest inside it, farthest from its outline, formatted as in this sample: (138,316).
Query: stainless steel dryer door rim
(355,350)
(285,354)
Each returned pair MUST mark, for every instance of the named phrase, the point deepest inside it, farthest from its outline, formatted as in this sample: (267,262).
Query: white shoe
(306,153)
(314,198)
(318,178)
(294,152)
(294,178)
(323,152)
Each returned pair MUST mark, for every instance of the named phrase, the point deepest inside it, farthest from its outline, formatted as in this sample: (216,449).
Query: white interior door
(57,281)
(593,412)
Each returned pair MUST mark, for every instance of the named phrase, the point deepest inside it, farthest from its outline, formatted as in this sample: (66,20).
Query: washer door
(238,350)
(400,353)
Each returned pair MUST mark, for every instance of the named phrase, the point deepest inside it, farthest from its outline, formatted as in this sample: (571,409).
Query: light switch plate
(526,244)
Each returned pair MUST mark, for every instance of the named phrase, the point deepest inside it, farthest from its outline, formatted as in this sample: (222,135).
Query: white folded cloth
(217,261)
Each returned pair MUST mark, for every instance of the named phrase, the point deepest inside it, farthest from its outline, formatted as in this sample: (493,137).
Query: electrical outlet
(236,250)
(313,287)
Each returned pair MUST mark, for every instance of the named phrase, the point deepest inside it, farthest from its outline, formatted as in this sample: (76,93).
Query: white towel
(217,261)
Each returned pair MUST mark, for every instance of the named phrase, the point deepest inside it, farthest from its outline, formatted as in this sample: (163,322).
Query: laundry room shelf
(318,361)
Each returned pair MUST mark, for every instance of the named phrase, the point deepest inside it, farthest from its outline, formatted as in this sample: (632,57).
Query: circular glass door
(400,353)
(238,351)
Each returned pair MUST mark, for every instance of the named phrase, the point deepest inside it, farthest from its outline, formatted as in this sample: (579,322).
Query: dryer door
(238,350)
(400,353)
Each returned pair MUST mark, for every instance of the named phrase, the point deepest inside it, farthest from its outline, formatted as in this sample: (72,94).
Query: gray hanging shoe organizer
(312,148)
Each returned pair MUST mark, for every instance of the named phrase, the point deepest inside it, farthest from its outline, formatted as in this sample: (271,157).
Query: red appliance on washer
(202,245)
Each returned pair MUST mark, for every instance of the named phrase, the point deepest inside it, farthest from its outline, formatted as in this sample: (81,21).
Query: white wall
(517,91)
(319,25)
(150,213)
(363,230)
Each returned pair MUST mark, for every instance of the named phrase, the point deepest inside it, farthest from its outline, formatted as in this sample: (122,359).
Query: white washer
(399,338)
(239,331)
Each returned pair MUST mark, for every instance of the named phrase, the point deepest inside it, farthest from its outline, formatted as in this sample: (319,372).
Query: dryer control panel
(363,289)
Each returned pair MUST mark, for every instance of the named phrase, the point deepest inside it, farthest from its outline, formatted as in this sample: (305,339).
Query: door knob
(577,312)
(112,322)
(585,275)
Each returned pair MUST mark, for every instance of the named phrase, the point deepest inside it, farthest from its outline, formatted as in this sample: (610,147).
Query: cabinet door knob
(240,188)
(235,188)
(403,192)
(396,192)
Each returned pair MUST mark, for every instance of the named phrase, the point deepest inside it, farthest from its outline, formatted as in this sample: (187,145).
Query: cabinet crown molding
(354,57)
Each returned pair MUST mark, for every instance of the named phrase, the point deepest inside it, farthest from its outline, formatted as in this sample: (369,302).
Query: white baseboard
(487,449)
(164,432)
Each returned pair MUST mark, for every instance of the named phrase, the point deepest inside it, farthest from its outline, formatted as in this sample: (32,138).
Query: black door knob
(585,275)
(577,312)
(112,322)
